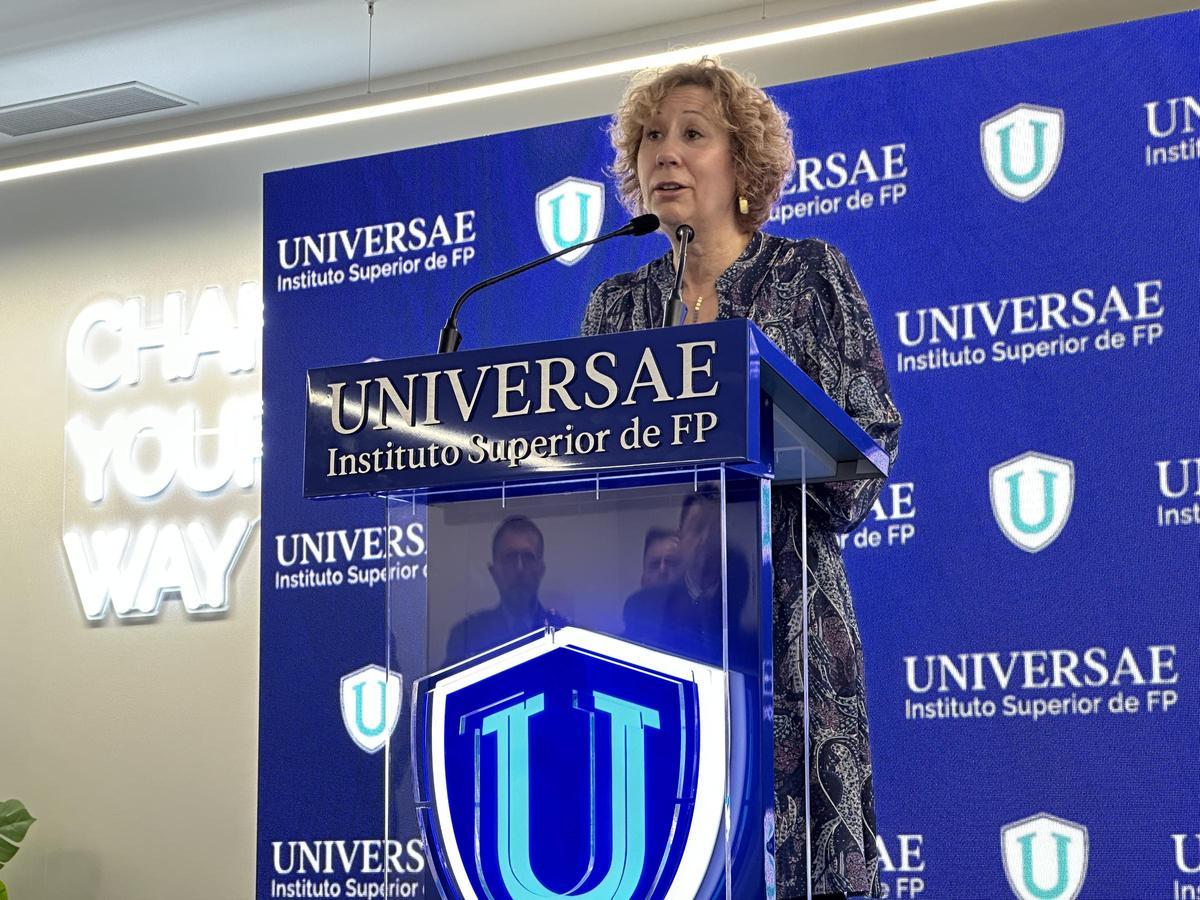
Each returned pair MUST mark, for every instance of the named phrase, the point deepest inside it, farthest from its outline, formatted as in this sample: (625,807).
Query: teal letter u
(1061,842)
(1014,502)
(628,798)
(556,219)
(1039,153)
(358,710)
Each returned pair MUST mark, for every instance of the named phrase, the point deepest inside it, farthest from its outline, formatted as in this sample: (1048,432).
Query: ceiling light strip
(496,89)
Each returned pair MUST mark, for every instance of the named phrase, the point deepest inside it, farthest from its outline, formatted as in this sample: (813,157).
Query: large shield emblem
(371,699)
(572,764)
(1045,857)
(1021,148)
(1032,496)
(568,213)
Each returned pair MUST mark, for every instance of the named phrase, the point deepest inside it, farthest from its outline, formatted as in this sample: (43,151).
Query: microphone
(676,311)
(450,337)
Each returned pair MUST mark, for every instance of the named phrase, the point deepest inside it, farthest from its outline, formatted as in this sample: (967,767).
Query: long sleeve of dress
(844,358)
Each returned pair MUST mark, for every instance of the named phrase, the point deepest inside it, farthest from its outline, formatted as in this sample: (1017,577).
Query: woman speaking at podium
(698,144)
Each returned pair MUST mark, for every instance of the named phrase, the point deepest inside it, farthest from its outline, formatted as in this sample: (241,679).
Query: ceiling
(242,59)
(234,56)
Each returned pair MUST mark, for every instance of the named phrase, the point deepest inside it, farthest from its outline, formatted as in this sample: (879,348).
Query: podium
(587,648)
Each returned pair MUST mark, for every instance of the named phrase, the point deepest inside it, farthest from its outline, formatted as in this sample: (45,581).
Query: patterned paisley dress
(803,295)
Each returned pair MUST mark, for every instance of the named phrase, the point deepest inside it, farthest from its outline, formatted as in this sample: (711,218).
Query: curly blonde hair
(760,140)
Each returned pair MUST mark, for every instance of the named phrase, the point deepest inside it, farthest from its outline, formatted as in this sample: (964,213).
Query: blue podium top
(696,395)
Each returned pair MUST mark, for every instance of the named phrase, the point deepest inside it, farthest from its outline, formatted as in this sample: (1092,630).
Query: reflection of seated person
(684,616)
(660,558)
(517,568)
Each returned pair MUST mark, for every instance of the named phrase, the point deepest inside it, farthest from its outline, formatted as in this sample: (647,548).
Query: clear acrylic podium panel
(586,672)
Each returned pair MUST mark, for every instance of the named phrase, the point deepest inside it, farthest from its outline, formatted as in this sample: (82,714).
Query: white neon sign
(212,328)
(143,451)
(134,576)
(140,448)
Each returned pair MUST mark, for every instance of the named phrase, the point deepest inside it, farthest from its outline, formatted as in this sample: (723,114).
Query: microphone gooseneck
(450,337)
(676,310)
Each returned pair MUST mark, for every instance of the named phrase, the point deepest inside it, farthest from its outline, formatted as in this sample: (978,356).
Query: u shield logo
(371,705)
(569,212)
(1032,496)
(627,798)
(1021,149)
(545,778)
(1045,857)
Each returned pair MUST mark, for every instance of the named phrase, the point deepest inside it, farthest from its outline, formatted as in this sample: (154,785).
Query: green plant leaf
(3,891)
(14,820)
(14,823)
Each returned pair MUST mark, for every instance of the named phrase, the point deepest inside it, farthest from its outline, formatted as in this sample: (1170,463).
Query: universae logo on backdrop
(1045,857)
(1021,148)
(1187,863)
(1178,492)
(890,523)
(368,556)
(1172,126)
(1045,327)
(844,181)
(902,865)
(1031,498)
(380,251)
(371,698)
(569,212)
(1032,495)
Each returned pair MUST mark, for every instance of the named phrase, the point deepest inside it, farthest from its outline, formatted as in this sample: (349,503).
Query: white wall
(135,745)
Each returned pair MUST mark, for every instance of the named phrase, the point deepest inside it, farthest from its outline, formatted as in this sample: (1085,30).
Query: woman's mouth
(667,188)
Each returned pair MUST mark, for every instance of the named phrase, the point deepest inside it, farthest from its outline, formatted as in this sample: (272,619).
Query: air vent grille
(98,105)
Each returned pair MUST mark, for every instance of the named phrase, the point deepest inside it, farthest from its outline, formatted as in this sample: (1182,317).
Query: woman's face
(685,164)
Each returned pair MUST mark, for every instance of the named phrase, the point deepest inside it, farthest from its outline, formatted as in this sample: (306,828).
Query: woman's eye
(653,134)
(692,134)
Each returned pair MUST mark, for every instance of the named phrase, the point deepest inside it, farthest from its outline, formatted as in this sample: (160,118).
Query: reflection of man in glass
(660,558)
(516,568)
(700,544)
(685,616)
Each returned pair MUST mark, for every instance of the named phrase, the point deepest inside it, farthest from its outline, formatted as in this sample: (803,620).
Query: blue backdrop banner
(1025,223)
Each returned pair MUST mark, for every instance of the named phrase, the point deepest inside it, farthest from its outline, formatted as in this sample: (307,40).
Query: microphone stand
(676,310)
(450,337)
